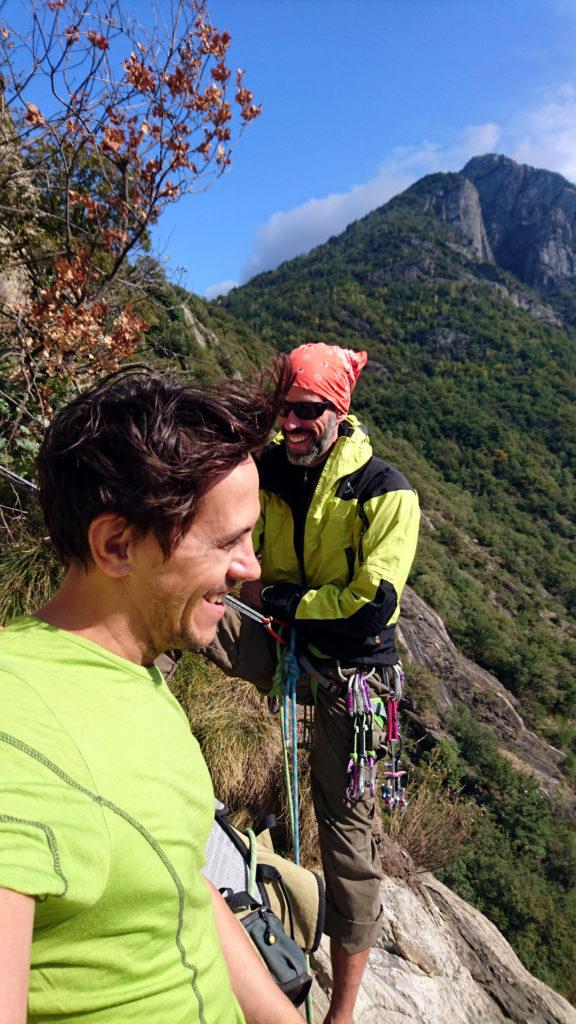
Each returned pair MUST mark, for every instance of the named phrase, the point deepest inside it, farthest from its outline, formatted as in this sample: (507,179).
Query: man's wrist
(281,600)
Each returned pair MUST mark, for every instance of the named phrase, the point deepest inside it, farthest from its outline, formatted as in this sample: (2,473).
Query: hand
(250,593)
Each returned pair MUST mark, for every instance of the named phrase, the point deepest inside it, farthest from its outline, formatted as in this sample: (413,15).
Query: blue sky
(362,97)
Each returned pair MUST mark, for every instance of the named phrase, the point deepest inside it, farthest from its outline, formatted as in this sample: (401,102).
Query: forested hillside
(470,390)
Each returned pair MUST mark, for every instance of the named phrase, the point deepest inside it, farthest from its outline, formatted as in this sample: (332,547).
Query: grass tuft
(29,570)
(437,823)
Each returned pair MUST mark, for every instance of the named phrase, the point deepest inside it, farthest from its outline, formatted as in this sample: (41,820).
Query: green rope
(253,864)
(279,687)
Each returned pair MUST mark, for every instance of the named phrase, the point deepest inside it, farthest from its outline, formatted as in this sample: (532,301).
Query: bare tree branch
(103,123)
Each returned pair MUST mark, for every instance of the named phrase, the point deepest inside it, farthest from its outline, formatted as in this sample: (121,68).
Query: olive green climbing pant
(350,860)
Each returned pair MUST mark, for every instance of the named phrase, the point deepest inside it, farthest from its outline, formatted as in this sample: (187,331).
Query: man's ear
(110,537)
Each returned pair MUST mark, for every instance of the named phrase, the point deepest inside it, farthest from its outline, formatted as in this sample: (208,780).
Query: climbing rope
(289,673)
(18,480)
(286,677)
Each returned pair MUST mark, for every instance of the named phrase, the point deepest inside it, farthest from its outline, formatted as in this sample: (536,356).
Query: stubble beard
(181,639)
(188,642)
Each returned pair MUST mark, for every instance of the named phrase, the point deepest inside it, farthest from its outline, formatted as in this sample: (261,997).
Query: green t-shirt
(105,807)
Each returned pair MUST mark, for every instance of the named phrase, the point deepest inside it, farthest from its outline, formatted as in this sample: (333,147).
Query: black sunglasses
(305,410)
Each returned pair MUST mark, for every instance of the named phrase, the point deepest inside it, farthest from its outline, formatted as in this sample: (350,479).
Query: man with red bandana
(336,537)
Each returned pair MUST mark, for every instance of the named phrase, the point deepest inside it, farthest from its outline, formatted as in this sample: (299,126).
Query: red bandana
(328,370)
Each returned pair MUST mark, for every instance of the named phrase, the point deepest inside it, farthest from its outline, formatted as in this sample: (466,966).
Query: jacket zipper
(299,537)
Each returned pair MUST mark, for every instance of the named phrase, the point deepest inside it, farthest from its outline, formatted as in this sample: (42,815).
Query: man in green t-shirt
(150,495)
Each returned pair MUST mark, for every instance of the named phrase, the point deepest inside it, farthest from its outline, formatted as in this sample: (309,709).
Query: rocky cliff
(530,219)
(520,218)
(426,642)
(439,961)
(455,199)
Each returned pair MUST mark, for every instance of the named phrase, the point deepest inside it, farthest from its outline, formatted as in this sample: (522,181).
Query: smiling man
(150,496)
(336,536)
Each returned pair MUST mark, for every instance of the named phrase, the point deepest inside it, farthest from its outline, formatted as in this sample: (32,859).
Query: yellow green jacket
(336,569)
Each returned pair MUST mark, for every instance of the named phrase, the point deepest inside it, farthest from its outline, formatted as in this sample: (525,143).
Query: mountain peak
(487,162)
(522,218)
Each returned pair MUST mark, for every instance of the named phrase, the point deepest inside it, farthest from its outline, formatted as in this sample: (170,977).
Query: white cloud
(222,288)
(546,136)
(543,136)
(291,233)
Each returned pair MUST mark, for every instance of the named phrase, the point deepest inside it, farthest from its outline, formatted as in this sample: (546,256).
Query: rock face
(517,217)
(425,639)
(530,218)
(202,334)
(455,200)
(439,961)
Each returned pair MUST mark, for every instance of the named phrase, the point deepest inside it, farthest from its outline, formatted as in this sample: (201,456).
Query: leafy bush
(520,865)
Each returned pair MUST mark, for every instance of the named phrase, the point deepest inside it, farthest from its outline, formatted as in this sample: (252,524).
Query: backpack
(279,903)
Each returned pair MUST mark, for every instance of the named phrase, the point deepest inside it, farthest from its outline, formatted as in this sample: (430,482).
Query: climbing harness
(364,713)
(393,787)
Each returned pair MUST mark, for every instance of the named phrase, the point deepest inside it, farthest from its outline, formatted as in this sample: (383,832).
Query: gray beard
(310,458)
(319,449)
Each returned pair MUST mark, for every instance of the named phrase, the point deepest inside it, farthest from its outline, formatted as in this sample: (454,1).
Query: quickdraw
(362,763)
(364,712)
(393,787)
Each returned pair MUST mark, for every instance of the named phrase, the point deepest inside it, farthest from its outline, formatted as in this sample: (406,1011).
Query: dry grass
(437,823)
(242,745)
(29,571)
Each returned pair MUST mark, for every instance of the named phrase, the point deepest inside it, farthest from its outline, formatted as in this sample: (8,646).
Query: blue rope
(291,675)
(289,723)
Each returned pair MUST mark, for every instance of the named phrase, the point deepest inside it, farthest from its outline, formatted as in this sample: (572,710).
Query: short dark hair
(148,446)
